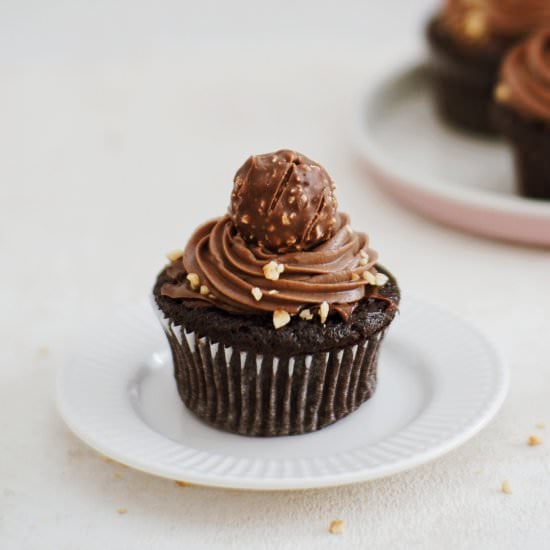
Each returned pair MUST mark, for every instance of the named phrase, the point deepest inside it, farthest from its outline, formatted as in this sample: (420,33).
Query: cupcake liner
(530,140)
(262,395)
(463,104)
(462,85)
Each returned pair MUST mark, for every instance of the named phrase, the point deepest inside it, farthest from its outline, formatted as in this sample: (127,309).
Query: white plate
(450,176)
(440,382)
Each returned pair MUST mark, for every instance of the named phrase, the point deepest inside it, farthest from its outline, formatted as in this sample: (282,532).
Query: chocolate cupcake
(276,311)
(522,112)
(468,41)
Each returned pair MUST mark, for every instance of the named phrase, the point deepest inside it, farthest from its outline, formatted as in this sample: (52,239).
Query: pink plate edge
(512,219)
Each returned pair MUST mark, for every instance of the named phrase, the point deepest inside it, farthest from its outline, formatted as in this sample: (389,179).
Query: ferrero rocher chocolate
(283,202)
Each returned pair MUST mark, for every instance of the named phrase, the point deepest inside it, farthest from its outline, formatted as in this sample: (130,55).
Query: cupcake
(522,112)
(468,40)
(276,311)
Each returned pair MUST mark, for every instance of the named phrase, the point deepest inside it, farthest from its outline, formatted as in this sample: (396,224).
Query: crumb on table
(182,484)
(42,352)
(122,511)
(336,526)
(505,487)
(534,440)
(109,460)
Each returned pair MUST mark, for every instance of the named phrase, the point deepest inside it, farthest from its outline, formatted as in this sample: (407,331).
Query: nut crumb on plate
(336,526)
(505,487)
(534,440)
(122,511)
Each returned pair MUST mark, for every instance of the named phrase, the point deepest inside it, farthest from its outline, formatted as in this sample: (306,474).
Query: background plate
(440,382)
(455,178)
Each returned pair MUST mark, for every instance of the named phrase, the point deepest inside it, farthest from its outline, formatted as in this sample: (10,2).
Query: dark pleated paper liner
(462,85)
(530,140)
(265,396)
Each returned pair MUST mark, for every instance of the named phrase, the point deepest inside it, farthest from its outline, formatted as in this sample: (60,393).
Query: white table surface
(120,129)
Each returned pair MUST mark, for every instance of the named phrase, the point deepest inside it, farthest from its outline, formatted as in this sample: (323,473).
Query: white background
(121,126)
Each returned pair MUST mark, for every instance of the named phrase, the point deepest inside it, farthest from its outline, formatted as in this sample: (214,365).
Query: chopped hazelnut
(502,93)
(204,290)
(280,318)
(505,487)
(369,277)
(363,261)
(284,219)
(363,254)
(534,440)
(306,315)
(174,255)
(336,527)
(257,293)
(381,279)
(272,270)
(194,281)
(475,25)
(355,277)
(273,291)
(323,311)
(245,219)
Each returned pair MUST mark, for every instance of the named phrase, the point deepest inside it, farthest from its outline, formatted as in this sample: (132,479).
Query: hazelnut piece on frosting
(283,202)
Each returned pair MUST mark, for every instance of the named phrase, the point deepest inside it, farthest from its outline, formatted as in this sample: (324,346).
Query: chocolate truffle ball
(283,202)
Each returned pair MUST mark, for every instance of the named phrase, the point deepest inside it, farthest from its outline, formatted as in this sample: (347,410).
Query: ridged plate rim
(106,420)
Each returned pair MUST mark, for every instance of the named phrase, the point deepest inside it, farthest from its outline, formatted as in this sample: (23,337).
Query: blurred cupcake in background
(468,41)
(522,112)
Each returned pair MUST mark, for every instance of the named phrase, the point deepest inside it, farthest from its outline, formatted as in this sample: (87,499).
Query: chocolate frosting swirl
(514,18)
(486,20)
(525,77)
(339,271)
